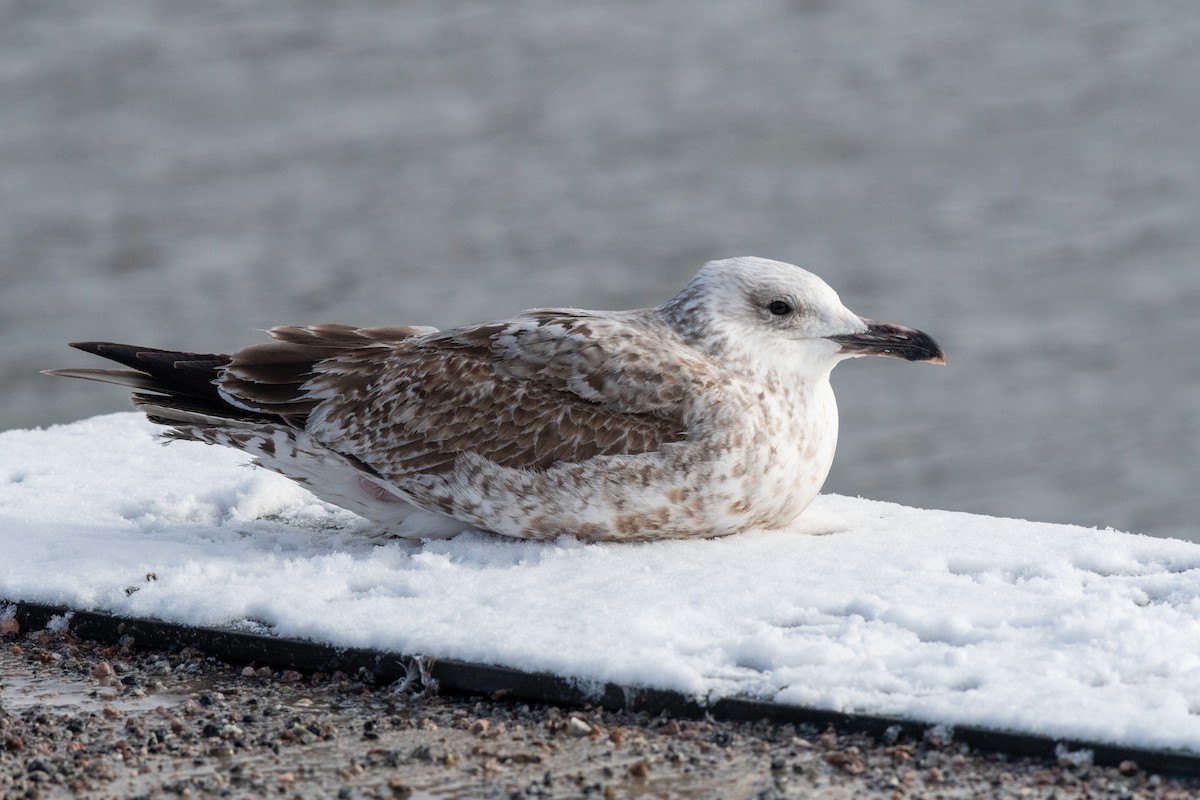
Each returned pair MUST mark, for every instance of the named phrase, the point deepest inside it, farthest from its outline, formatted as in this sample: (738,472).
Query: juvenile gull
(707,415)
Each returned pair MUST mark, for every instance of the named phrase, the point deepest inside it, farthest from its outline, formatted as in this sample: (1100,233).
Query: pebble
(577,727)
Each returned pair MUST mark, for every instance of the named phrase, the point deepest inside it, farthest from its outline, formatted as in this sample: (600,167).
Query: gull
(708,415)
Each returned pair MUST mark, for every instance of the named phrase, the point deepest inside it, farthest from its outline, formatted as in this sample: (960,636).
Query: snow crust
(865,606)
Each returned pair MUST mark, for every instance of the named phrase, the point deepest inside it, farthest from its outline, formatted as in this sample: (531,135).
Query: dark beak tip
(936,354)
(930,352)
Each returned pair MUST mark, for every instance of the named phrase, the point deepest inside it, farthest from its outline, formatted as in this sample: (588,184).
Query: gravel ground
(88,719)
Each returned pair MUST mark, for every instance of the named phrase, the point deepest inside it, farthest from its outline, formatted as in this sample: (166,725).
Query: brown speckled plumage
(704,416)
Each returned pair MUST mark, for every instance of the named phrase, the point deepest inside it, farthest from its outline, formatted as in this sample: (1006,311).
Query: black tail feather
(181,375)
(273,375)
(165,380)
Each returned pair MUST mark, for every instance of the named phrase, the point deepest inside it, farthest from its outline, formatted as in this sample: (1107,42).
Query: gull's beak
(884,339)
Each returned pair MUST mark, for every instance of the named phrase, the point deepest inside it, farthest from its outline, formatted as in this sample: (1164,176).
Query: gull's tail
(182,390)
(169,386)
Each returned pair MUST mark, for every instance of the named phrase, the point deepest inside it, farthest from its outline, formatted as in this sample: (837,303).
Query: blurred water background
(1020,179)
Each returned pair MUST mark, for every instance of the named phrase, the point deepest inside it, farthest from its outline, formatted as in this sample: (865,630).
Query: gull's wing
(548,386)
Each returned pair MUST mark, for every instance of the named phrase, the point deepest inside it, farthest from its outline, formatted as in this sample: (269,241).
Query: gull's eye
(779,308)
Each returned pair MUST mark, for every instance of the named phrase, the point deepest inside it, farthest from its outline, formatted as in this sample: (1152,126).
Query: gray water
(1019,179)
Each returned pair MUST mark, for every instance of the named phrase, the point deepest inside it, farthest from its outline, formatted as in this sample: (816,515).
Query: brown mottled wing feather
(270,377)
(546,387)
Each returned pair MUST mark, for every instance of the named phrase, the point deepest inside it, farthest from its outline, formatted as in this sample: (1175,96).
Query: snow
(864,607)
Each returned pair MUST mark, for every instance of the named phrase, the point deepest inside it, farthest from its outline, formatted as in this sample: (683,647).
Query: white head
(765,306)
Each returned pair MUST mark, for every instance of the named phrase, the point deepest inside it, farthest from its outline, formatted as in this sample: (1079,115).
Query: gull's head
(780,310)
